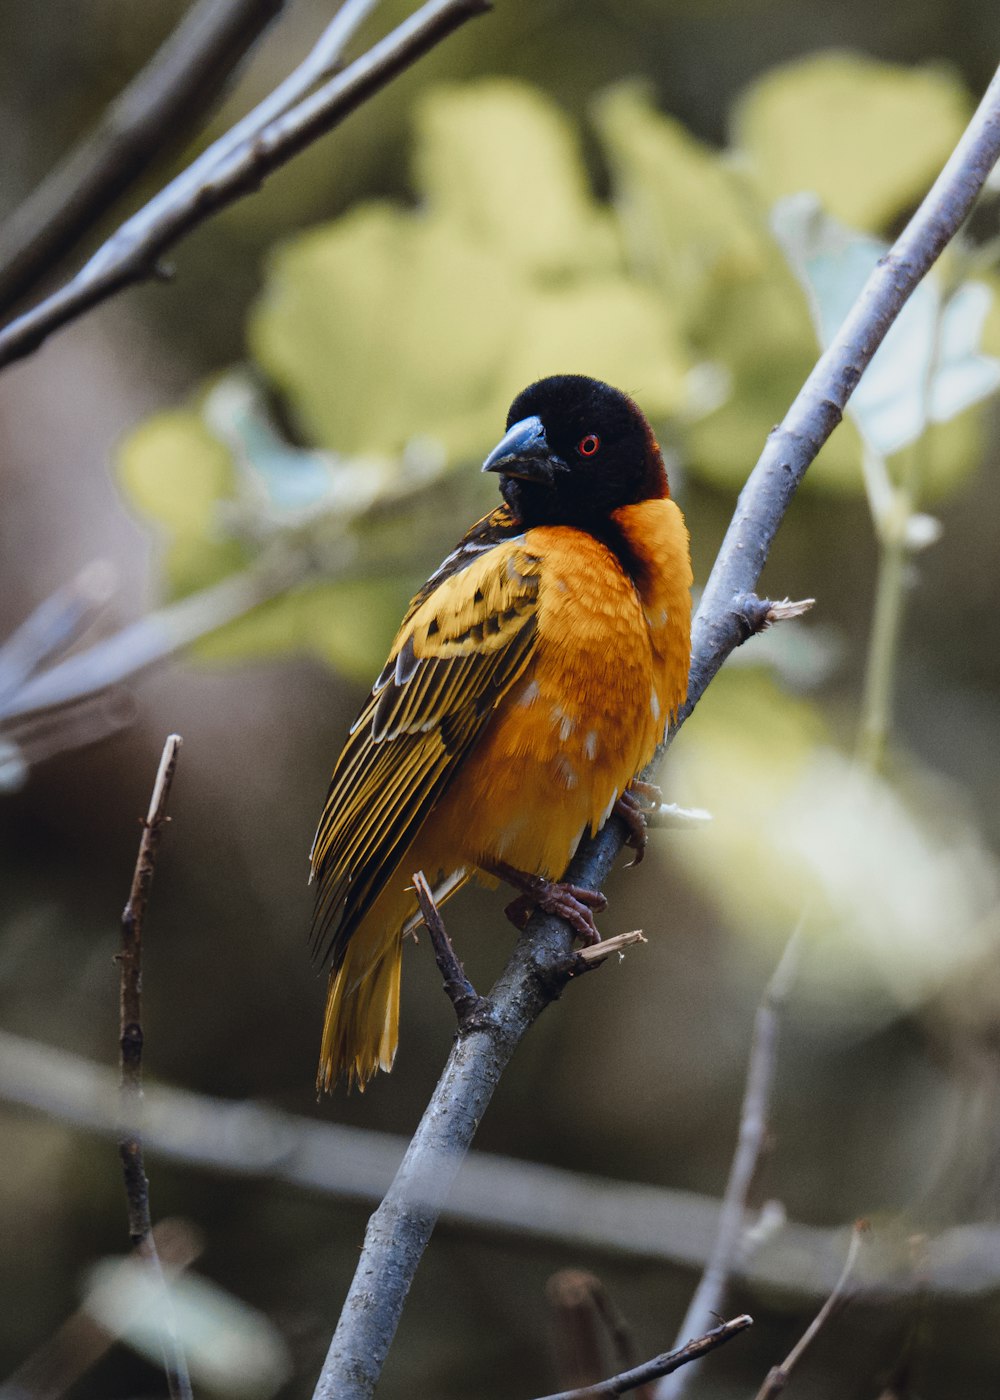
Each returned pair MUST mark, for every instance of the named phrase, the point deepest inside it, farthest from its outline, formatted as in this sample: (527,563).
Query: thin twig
(458,989)
(597,952)
(133,253)
(131,1040)
(399,1230)
(153,116)
(661,1365)
(777,1377)
(755,1115)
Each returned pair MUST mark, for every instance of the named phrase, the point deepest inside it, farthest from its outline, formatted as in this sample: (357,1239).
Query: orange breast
(609,669)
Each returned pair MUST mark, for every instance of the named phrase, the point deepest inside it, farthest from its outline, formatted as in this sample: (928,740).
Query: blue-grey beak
(524,452)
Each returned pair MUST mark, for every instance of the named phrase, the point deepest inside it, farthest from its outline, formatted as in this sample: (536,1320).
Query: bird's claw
(574,903)
(629,808)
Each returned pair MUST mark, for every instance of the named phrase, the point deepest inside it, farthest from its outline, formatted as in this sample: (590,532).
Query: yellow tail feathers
(361,1025)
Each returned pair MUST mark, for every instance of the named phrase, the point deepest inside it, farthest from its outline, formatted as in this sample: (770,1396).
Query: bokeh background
(579,187)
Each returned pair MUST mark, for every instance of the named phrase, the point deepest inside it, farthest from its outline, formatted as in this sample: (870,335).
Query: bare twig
(459,990)
(777,1377)
(661,1365)
(536,973)
(597,952)
(130,1040)
(153,115)
(133,253)
(754,1118)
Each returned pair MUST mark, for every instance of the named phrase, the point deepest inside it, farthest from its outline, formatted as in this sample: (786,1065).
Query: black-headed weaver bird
(532,677)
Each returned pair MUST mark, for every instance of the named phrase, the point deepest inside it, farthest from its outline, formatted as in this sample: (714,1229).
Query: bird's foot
(574,903)
(629,808)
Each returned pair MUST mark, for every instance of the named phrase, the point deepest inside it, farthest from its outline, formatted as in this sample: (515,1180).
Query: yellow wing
(465,641)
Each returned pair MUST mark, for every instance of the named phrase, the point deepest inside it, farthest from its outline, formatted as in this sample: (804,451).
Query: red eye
(588,446)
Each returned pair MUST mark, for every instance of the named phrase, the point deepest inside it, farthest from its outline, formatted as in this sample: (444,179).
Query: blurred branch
(542,960)
(660,1365)
(133,253)
(130,1040)
(584,1321)
(620,1219)
(53,627)
(25,690)
(754,1119)
(81,1342)
(157,110)
(777,1377)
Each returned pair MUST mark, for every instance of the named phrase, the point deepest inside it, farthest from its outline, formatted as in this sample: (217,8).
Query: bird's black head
(575,450)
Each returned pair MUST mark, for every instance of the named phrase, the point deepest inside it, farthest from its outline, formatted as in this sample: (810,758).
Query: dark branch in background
(755,1115)
(153,116)
(130,1040)
(538,968)
(777,1377)
(133,253)
(585,1325)
(660,1365)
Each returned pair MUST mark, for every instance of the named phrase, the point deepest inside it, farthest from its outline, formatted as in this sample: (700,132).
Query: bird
(532,677)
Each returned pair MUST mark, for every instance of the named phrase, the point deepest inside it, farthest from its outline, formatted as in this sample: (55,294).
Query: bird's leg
(470,1007)
(574,903)
(630,809)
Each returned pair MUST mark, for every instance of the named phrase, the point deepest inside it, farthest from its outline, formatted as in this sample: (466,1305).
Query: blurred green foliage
(398,328)
(397,335)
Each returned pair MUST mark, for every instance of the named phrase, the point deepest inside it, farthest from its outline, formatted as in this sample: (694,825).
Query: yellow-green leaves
(502,165)
(177,473)
(878,869)
(397,335)
(867,138)
(397,323)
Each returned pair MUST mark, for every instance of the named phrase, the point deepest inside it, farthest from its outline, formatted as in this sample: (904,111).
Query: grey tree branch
(157,110)
(661,1365)
(515,1199)
(133,254)
(754,1118)
(130,1040)
(539,966)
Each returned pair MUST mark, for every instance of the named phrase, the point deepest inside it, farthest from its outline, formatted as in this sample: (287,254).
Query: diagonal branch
(133,254)
(154,114)
(754,1120)
(541,963)
(777,1378)
(662,1365)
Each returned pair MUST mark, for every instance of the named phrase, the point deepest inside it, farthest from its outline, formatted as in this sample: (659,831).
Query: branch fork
(472,1011)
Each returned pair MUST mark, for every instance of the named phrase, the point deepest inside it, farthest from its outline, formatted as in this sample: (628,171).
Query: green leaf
(689,223)
(929,368)
(503,165)
(867,138)
(348,625)
(388,325)
(174,470)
